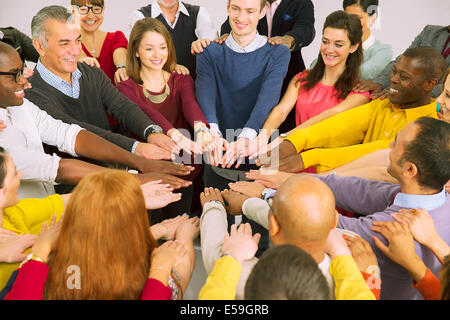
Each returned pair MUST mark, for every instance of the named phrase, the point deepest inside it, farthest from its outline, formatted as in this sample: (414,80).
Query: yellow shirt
(354,133)
(26,217)
(349,282)
(222,281)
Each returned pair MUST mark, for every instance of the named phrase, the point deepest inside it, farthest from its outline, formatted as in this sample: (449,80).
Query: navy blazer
(294,18)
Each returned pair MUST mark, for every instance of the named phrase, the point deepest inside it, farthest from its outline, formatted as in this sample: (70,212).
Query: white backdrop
(400,20)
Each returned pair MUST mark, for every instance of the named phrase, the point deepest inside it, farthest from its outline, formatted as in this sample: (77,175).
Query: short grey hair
(59,13)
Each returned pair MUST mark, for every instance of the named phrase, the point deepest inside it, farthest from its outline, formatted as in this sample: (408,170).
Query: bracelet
(122,65)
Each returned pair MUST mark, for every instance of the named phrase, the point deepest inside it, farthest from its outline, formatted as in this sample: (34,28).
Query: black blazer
(294,18)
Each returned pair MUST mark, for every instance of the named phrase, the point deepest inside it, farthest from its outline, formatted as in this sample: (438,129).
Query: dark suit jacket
(294,18)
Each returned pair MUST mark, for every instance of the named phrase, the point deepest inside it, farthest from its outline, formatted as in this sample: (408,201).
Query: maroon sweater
(180,110)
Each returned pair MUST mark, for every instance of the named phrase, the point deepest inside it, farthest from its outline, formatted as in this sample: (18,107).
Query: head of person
(444,275)
(420,155)
(365,10)
(12,81)
(9,180)
(444,98)
(340,48)
(286,272)
(303,213)
(105,234)
(57,38)
(167,3)
(151,47)
(414,75)
(90,13)
(244,15)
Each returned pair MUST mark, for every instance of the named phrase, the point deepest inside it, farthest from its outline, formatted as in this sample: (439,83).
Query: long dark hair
(350,76)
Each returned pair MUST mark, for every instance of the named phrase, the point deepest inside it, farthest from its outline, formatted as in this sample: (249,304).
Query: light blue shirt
(415,201)
(56,82)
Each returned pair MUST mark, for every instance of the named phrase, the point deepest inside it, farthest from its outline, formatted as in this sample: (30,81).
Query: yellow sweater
(354,133)
(28,216)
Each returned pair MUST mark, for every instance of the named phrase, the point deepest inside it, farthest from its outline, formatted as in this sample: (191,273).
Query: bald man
(303,213)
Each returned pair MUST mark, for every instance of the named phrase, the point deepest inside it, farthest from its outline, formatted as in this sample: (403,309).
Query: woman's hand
(46,241)
(90,61)
(184,143)
(120,75)
(158,195)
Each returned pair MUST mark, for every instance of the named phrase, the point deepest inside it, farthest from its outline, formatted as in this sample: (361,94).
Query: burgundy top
(112,41)
(180,110)
(30,284)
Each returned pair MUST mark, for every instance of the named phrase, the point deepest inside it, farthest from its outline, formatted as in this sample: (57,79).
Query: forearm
(416,268)
(92,146)
(120,56)
(440,249)
(71,171)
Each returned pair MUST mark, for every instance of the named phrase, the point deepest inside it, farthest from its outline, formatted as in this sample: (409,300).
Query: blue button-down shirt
(416,201)
(56,82)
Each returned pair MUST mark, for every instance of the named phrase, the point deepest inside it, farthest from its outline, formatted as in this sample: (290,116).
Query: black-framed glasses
(84,10)
(17,75)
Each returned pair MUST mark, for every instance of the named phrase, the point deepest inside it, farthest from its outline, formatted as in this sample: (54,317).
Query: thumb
(256,237)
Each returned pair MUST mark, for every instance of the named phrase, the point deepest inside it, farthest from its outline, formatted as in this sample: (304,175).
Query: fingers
(380,245)
(256,238)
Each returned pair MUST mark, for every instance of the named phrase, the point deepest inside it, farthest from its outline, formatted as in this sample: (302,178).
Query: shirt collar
(413,114)
(369,42)
(415,201)
(274,4)
(51,78)
(156,9)
(257,43)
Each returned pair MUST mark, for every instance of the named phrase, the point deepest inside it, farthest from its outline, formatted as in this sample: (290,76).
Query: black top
(182,35)
(21,42)
(97,95)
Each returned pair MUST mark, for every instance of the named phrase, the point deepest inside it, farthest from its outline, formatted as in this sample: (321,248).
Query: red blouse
(315,101)
(180,110)
(112,41)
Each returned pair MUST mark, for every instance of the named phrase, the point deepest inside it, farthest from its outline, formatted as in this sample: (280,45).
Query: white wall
(400,20)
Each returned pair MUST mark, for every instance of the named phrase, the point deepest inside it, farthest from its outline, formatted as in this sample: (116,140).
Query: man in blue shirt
(238,83)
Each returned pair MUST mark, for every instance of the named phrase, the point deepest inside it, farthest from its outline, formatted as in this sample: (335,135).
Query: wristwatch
(267,193)
(154,128)
(283,135)
(31,257)
(122,65)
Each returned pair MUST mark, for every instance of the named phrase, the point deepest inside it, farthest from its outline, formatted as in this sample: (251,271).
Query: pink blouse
(315,101)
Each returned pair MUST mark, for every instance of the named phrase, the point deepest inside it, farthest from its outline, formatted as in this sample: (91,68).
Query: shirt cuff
(133,150)
(248,133)
(214,127)
(270,193)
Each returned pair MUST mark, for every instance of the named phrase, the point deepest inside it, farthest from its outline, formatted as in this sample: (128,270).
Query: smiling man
(357,132)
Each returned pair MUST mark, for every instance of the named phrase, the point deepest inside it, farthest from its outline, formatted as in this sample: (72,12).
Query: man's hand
(90,61)
(269,178)
(164,142)
(292,164)
(286,40)
(180,69)
(234,201)
(251,189)
(153,152)
(363,255)
(13,246)
(170,226)
(383,94)
(173,182)
(240,244)
(222,38)
(164,166)
(158,195)
(284,150)
(368,85)
(235,150)
(198,45)
(211,194)
(120,75)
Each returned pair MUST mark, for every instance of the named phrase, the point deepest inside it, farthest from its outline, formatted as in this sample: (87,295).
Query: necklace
(92,51)
(159,98)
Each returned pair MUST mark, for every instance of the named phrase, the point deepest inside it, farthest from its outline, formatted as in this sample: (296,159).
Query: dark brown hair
(140,28)
(100,3)
(2,166)
(350,76)
(445,279)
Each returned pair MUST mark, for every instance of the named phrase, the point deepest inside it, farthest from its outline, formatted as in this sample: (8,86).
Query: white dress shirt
(27,128)
(205,27)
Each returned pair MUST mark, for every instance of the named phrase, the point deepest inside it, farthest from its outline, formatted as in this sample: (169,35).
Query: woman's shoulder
(126,85)
(181,78)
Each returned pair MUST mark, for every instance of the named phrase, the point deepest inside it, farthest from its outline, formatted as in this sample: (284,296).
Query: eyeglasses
(17,75)
(84,10)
